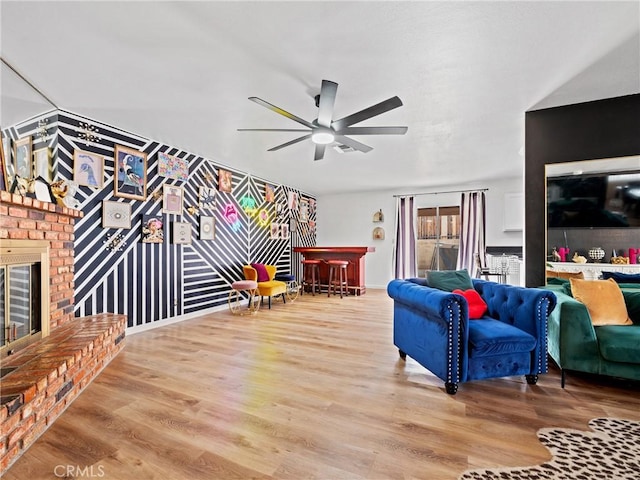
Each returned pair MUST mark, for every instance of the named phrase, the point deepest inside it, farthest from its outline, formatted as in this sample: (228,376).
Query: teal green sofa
(575,344)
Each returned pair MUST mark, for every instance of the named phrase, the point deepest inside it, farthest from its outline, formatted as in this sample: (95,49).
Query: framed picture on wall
(225,181)
(172,199)
(42,164)
(274,231)
(207,198)
(4,179)
(284,231)
(116,214)
(22,157)
(292,199)
(173,167)
(207,228)
(130,176)
(304,210)
(88,169)
(182,233)
(269,193)
(152,229)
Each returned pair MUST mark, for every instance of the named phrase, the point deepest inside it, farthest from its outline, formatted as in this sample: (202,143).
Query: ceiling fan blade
(319,153)
(327,100)
(282,112)
(382,107)
(373,131)
(292,142)
(350,142)
(272,130)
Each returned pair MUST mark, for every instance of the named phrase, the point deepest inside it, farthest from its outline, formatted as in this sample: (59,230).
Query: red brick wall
(27,218)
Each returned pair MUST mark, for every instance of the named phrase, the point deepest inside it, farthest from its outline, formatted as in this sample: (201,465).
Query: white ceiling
(181,72)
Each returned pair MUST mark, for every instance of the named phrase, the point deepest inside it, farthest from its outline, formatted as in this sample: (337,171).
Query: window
(438,230)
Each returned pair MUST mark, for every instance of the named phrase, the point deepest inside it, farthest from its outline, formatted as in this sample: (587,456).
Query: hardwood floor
(309,390)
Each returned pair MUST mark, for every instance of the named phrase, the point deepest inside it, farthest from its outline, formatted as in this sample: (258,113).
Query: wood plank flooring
(309,390)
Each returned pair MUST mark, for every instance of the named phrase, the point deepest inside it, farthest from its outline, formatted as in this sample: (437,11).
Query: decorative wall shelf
(378,233)
(592,271)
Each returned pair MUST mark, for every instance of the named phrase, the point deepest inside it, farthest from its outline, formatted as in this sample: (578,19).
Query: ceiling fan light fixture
(322,137)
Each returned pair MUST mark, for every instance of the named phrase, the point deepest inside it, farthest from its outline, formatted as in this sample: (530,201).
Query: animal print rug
(610,452)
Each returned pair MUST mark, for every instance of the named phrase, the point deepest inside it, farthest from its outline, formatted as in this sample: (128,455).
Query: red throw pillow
(477,306)
(263,275)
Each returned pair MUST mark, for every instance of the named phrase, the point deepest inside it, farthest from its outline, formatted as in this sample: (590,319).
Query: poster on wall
(274,231)
(269,193)
(304,210)
(207,198)
(173,167)
(225,181)
(131,173)
(182,233)
(284,231)
(88,168)
(293,200)
(207,228)
(116,214)
(172,199)
(152,229)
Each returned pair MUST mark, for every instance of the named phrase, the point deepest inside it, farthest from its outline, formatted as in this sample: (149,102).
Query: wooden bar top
(361,250)
(354,255)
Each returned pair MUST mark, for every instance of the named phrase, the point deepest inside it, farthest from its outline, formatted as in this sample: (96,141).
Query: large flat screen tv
(594,200)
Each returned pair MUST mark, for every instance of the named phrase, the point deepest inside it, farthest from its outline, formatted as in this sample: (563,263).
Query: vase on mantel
(596,254)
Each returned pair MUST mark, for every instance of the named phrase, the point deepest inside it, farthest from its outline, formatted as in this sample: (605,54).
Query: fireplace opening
(24,294)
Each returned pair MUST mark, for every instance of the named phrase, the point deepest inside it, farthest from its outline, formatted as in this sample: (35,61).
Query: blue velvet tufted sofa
(433,327)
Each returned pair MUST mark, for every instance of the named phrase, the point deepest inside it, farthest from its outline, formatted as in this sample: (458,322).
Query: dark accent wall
(151,282)
(585,131)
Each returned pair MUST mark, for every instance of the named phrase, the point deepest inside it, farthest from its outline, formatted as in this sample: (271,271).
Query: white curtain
(404,255)
(473,228)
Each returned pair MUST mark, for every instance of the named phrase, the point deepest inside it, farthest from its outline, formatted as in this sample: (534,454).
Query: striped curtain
(404,255)
(473,228)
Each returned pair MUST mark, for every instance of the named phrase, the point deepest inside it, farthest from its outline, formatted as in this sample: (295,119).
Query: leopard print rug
(610,452)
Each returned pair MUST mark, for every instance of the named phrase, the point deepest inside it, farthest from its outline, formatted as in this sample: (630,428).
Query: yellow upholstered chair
(267,286)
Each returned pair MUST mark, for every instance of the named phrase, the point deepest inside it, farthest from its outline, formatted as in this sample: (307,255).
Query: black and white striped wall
(158,282)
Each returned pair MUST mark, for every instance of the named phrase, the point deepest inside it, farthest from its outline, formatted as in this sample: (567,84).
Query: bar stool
(311,269)
(338,268)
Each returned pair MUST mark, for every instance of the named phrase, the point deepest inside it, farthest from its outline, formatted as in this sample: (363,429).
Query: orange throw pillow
(603,299)
(477,306)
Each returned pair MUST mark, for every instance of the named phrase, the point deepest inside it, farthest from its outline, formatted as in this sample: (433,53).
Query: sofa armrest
(572,338)
(433,303)
(632,300)
(432,327)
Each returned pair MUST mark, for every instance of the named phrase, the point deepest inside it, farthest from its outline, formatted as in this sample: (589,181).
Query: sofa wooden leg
(402,354)
(451,388)
(562,377)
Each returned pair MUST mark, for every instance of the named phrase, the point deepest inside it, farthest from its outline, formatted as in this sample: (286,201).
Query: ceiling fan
(324,130)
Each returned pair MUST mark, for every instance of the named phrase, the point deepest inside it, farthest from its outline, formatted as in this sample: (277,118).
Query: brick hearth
(45,377)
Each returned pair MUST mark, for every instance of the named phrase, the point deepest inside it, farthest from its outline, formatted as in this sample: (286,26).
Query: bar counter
(355,270)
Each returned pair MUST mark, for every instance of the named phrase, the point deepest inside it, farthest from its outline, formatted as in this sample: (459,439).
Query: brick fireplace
(40,380)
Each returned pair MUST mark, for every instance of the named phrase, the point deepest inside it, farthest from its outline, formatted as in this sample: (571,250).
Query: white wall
(347,220)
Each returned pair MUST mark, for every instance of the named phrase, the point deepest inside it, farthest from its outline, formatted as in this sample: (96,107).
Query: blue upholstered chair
(432,326)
